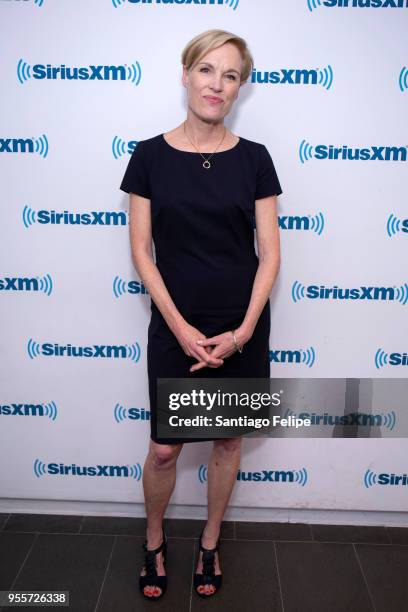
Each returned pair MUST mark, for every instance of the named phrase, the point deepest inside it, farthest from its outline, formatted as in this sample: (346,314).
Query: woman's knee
(164,455)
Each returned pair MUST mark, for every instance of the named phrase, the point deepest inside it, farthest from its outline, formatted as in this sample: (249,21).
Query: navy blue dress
(203,233)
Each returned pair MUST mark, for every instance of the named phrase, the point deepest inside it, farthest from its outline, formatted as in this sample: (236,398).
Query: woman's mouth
(213,99)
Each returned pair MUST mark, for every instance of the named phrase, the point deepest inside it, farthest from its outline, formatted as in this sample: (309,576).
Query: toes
(152,591)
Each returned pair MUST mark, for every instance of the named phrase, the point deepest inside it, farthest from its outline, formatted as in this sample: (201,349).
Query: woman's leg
(222,474)
(159,478)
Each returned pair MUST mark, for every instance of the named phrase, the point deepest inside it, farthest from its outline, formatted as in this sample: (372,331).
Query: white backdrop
(326,76)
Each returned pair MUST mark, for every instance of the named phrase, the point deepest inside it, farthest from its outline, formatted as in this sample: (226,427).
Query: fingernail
(199,341)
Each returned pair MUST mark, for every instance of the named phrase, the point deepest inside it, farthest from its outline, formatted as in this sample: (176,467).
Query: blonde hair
(200,45)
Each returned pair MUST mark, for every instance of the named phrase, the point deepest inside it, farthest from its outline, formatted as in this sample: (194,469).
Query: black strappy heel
(151,578)
(208,576)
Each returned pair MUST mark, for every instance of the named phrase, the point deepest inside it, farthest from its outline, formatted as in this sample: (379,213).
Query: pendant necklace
(206,163)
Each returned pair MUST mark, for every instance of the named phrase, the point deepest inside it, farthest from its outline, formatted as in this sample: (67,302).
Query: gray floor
(288,567)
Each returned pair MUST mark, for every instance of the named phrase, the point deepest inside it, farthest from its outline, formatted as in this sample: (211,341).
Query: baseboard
(280,515)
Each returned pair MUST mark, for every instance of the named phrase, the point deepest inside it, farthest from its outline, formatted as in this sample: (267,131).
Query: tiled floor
(283,567)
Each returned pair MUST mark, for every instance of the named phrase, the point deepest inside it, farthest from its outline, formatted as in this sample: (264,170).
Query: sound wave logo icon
(369,479)
(45,284)
(33,348)
(119,286)
(119,413)
(135,471)
(401,294)
(51,410)
(395,225)
(134,73)
(39,468)
(403,79)
(202,473)
(119,147)
(312,5)
(317,223)
(233,4)
(41,145)
(29,216)
(133,352)
(305,151)
(23,71)
(301,476)
(298,291)
(326,77)
(380,358)
(309,356)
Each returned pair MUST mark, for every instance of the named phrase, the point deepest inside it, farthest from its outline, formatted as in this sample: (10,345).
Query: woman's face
(213,84)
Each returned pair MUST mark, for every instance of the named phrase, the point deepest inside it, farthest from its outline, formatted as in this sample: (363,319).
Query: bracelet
(235,342)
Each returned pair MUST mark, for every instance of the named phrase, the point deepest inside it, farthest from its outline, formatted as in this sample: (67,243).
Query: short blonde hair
(200,45)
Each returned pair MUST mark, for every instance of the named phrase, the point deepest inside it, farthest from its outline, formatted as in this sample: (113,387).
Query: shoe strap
(209,550)
(150,556)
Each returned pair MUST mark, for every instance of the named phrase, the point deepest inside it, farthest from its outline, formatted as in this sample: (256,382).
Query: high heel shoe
(208,576)
(151,578)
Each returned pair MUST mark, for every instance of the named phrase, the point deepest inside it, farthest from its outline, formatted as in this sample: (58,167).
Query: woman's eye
(201,69)
(234,78)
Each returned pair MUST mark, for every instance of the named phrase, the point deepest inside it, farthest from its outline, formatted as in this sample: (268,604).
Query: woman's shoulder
(252,144)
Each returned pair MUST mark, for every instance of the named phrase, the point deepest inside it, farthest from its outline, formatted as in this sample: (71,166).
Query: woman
(195,190)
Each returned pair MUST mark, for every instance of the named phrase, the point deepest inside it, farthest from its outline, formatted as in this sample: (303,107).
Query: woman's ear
(184,78)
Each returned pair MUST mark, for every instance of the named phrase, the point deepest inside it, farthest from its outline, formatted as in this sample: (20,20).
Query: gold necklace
(206,163)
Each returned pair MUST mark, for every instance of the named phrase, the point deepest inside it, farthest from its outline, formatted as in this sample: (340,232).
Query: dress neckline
(196,152)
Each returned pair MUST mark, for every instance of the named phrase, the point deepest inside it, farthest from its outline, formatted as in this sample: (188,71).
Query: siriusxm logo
(278,476)
(93,217)
(316,292)
(382,359)
(121,413)
(230,3)
(120,287)
(387,420)
(314,4)
(373,153)
(122,72)
(309,223)
(101,351)
(370,479)
(24,283)
(111,471)
(307,356)
(33,410)
(25,145)
(295,76)
(395,225)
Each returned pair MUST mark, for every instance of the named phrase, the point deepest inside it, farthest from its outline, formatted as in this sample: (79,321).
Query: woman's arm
(268,243)
(140,233)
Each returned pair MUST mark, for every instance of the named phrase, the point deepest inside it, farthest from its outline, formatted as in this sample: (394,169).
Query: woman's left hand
(220,346)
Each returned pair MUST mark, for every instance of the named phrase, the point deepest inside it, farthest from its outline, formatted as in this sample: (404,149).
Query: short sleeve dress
(203,232)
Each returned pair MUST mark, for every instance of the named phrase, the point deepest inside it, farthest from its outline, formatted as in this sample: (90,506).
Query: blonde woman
(195,191)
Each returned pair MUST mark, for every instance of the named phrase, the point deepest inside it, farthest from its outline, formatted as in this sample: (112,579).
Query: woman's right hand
(187,336)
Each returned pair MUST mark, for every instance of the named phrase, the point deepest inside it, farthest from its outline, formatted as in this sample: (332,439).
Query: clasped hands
(210,352)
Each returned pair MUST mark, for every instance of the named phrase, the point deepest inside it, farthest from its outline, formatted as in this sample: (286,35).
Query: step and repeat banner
(82,84)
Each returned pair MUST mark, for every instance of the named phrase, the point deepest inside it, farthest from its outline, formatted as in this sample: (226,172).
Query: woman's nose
(216,82)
